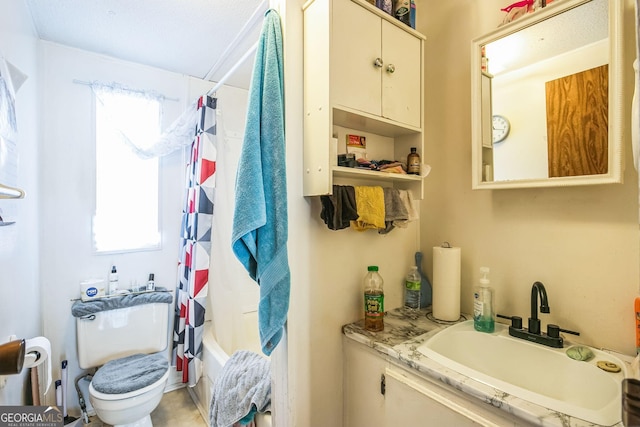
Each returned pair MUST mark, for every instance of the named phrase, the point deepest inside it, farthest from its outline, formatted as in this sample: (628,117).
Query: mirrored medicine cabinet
(547,98)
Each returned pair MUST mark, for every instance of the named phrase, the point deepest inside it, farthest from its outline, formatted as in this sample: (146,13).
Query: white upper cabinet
(401,76)
(376,64)
(356,35)
(363,75)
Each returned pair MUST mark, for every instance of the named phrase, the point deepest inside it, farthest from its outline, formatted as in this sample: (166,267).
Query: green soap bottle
(483,311)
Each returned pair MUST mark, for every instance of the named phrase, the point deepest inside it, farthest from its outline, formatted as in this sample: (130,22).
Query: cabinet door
(355,46)
(487,121)
(401,75)
(409,402)
(363,402)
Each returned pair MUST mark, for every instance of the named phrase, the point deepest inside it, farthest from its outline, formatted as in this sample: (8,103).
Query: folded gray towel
(130,373)
(84,308)
(410,206)
(243,387)
(394,209)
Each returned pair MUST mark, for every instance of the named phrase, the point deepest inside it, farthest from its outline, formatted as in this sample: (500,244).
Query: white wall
(291,394)
(67,183)
(582,243)
(327,268)
(19,275)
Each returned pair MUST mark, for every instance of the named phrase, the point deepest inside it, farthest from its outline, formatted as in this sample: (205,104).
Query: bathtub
(213,359)
(231,317)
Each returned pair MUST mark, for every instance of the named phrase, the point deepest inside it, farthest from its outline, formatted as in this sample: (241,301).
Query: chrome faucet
(534,322)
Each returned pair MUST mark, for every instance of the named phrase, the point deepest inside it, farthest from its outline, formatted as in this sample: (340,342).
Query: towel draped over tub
(242,389)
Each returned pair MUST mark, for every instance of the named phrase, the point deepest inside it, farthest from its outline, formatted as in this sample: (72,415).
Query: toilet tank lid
(130,373)
(84,308)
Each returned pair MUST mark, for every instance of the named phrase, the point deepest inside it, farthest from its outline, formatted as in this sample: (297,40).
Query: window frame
(94,244)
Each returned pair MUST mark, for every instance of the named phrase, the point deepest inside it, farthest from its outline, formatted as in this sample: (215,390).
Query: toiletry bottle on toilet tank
(113,281)
(483,311)
(373,300)
(413,162)
(151,283)
(412,288)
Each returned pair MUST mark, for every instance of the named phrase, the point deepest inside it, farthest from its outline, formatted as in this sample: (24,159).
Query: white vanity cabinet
(409,399)
(363,74)
(363,371)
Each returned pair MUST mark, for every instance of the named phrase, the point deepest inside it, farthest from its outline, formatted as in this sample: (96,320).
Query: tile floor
(176,409)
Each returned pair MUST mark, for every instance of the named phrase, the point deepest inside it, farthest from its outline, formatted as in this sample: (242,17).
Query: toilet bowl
(131,409)
(124,391)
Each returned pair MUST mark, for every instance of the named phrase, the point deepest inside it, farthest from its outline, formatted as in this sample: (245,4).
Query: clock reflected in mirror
(501,128)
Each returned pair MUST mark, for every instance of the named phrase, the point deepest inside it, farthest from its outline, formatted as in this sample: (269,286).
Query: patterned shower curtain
(195,245)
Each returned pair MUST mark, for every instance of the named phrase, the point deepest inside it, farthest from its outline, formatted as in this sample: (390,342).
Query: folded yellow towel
(370,207)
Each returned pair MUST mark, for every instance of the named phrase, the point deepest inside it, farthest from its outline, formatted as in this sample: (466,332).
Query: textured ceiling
(184,36)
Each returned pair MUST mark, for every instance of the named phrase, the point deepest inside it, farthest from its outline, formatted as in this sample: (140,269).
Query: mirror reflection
(544,95)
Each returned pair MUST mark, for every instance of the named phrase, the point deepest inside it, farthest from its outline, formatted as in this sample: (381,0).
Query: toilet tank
(111,334)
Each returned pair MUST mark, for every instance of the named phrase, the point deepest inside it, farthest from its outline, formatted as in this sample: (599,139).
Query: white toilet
(123,343)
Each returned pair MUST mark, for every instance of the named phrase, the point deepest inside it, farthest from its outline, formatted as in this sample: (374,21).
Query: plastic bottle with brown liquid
(373,300)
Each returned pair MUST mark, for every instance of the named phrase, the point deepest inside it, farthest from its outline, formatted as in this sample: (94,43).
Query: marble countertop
(405,330)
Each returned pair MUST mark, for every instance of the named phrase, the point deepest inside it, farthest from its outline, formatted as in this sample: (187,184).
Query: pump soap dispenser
(483,311)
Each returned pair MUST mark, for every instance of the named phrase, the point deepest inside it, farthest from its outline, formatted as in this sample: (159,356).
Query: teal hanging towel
(260,225)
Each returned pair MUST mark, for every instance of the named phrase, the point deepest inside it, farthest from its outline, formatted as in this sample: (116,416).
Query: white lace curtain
(178,135)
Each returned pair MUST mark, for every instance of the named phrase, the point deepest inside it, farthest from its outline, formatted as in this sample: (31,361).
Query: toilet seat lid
(130,373)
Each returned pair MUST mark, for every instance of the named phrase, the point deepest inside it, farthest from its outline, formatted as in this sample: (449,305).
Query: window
(126,210)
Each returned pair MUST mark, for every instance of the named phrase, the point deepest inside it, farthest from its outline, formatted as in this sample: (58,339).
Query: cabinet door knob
(391,68)
(378,63)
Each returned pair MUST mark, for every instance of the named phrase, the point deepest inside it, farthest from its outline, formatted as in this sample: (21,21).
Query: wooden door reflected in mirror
(577,123)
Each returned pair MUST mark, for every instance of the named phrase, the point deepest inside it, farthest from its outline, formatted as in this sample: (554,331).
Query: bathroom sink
(542,375)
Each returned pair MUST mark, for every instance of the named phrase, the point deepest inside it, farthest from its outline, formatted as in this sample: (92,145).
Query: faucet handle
(554,331)
(516,321)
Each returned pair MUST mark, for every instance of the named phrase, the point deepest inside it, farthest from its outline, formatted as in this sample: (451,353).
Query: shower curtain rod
(257,14)
(7,192)
(188,118)
(233,69)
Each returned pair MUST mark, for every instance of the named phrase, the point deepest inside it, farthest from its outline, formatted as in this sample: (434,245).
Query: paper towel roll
(38,351)
(446,283)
